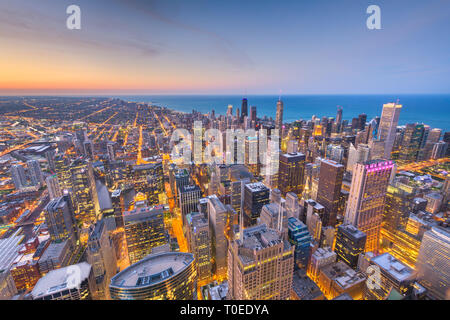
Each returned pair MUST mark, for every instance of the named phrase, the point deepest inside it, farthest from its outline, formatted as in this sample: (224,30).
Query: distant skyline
(132,47)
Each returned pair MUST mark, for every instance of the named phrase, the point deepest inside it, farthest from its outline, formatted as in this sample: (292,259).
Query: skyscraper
(244,109)
(433,263)
(101,256)
(260,266)
(350,243)
(144,230)
(382,146)
(365,206)
(329,189)
(199,242)
(256,195)
(300,238)
(279,117)
(18,176)
(291,173)
(85,196)
(411,143)
(60,220)
(218,214)
(53,187)
(35,172)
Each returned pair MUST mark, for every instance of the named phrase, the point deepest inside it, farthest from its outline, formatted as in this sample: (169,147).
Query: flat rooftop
(152,269)
(57,280)
(394,267)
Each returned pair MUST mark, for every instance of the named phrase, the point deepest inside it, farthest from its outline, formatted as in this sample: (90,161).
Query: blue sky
(224,47)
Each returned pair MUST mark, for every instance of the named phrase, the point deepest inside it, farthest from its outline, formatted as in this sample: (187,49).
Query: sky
(128,47)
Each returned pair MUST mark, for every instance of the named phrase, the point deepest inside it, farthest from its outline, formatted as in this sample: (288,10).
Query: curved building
(161,276)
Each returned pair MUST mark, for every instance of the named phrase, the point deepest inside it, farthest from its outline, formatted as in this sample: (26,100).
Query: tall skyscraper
(279,117)
(218,214)
(433,263)
(60,220)
(365,206)
(144,230)
(188,199)
(199,242)
(291,173)
(53,187)
(35,172)
(412,141)
(244,109)
(339,118)
(260,266)
(18,176)
(159,276)
(87,207)
(382,146)
(253,113)
(101,256)
(350,243)
(299,237)
(256,195)
(329,189)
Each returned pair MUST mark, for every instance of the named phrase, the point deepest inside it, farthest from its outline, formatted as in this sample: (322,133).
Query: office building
(75,282)
(383,144)
(18,176)
(329,189)
(350,243)
(60,220)
(299,237)
(260,266)
(188,196)
(291,173)
(35,173)
(320,258)
(365,206)
(256,195)
(160,276)
(144,230)
(199,243)
(53,187)
(101,256)
(433,263)
(218,217)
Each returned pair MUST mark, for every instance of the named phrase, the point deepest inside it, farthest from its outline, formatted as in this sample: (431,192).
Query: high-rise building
(101,256)
(62,169)
(199,242)
(144,230)
(148,179)
(362,119)
(329,189)
(357,155)
(18,176)
(60,220)
(87,207)
(274,216)
(382,146)
(256,195)
(159,276)
(35,172)
(188,198)
(218,216)
(412,141)
(53,187)
(279,117)
(433,263)
(260,265)
(299,237)
(75,282)
(291,173)
(111,151)
(244,108)
(365,206)
(350,243)
(253,113)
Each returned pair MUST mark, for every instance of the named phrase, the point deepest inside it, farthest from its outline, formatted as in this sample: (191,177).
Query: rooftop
(394,267)
(152,269)
(57,280)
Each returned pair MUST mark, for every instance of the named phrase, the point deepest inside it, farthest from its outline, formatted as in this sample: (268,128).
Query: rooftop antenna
(279,97)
